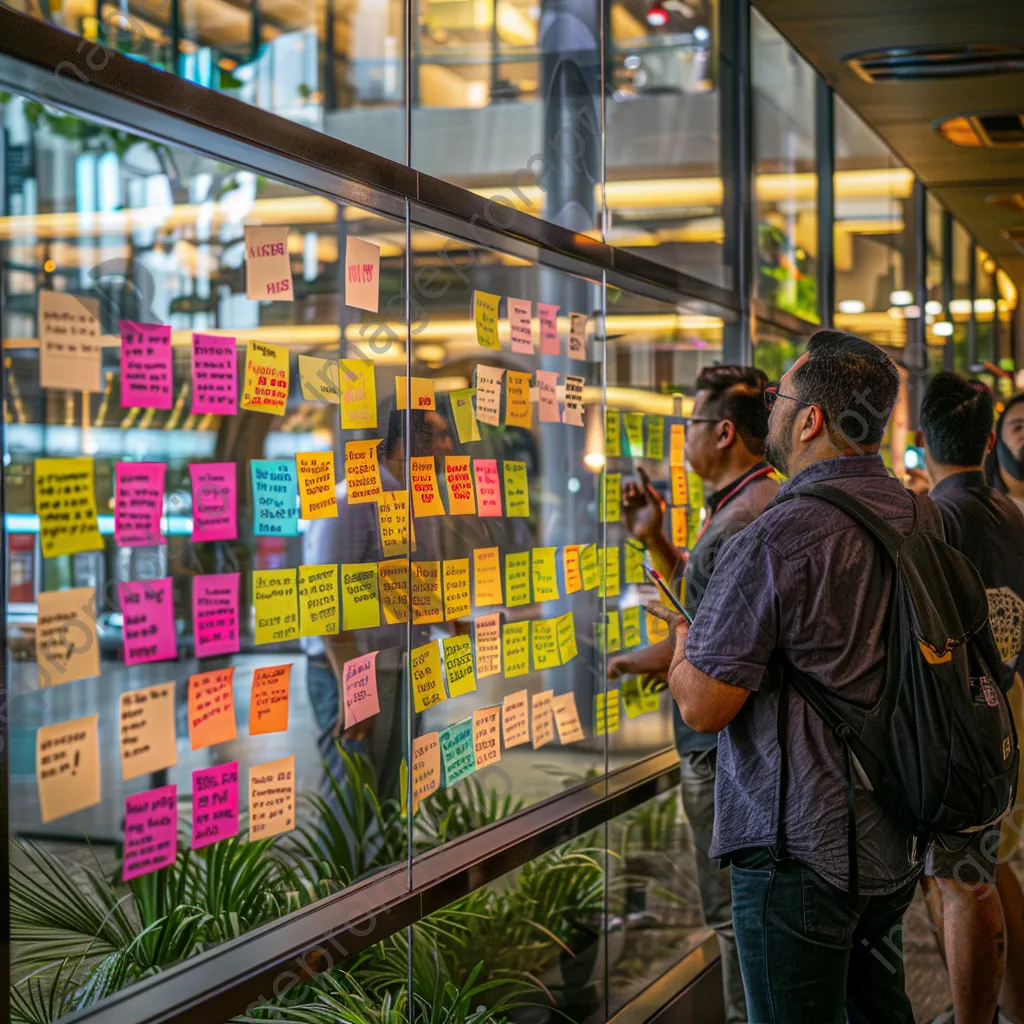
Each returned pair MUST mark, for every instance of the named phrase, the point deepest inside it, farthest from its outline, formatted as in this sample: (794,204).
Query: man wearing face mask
(1005,466)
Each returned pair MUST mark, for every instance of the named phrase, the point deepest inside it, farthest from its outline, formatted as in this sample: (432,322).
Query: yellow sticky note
(422,392)
(394,589)
(679,490)
(542,719)
(275,596)
(518,410)
(517,578)
(360,595)
(426,499)
(565,631)
(610,584)
(487,639)
(458,665)
(393,521)
(318,600)
(657,629)
(266,378)
(461,496)
(567,718)
(544,643)
(612,632)
(677,445)
(677,516)
(66,506)
(362,472)
(634,424)
(427,684)
(515,648)
(485,315)
(544,574)
(515,718)
(634,561)
(606,713)
(656,437)
(589,567)
(465,415)
(571,568)
(611,497)
(68,766)
(612,433)
(631,627)
(486,736)
(486,577)
(318,379)
(425,590)
(455,581)
(517,488)
(357,381)
(271,798)
(315,472)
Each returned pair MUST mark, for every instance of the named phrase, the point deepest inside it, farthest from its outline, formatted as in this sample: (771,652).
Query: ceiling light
(901,297)
(933,307)
(657,16)
(960,307)
(943,329)
(984,305)
(594,461)
(912,312)
(851,306)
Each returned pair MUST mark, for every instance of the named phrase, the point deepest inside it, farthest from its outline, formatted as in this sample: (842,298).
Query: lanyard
(762,472)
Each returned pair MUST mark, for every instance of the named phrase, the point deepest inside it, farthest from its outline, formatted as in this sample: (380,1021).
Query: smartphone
(659,581)
(913,458)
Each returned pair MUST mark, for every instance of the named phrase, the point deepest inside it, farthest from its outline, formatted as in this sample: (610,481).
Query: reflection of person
(1005,466)
(725,447)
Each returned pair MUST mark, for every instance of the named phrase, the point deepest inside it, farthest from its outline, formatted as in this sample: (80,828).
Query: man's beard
(778,451)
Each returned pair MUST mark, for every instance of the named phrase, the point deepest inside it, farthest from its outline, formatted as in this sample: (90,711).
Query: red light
(657,16)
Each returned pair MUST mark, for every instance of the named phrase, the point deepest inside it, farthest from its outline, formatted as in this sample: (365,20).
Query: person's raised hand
(642,508)
(676,622)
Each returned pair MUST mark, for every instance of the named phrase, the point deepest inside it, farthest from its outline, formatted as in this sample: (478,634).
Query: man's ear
(990,442)
(814,423)
(726,434)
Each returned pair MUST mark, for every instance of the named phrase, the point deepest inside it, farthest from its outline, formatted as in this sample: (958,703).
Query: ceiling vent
(1007,201)
(1015,236)
(997,129)
(913,63)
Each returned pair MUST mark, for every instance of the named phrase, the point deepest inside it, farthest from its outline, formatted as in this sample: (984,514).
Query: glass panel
(1006,308)
(960,307)
(776,350)
(785,172)
(985,305)
(182,666)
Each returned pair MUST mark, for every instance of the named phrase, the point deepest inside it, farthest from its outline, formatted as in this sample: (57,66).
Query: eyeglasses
(772,394)
(701,419)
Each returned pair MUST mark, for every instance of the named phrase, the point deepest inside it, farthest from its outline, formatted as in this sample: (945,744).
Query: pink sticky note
(138,503)
(147,609)
(360,679)
(520,325)
(214,375)
(214,494)
(150,831)
(146,378)
(214,804)
(547,396)
(488,487)
(548,316)
(215,614)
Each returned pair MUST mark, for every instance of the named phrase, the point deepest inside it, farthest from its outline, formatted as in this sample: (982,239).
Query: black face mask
(1008,461)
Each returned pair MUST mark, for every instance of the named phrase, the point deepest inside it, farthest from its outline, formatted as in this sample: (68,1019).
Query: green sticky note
(610,580)
(612,438)
(465,416)
(588,567)
(634,434)
(517,578)
(544,643)
(457,756)
(610,499)
(656,437)
(631,627)
(565,626)
(614,632)
(517,488)
(634,561)
(458,664)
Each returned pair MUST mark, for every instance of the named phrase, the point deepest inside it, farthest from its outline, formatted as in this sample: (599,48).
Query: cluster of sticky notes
(520,392)
(625,436)
(622,629)
(482,491)
(520,330)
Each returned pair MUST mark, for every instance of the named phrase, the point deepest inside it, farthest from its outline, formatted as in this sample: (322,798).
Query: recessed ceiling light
(933,307)
(960,307)
(943,329)
(851,306)
(901,297)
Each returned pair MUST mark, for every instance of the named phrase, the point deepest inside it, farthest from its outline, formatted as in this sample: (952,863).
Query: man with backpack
(834,678)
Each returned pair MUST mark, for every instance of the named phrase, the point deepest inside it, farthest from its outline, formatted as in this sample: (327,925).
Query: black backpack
(939,747)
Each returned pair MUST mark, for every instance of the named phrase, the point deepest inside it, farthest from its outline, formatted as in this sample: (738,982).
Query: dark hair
(956,417)
(992,474)
(855,385)
(736,393)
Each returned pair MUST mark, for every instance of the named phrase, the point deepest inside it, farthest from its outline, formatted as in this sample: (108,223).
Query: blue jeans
(812,955)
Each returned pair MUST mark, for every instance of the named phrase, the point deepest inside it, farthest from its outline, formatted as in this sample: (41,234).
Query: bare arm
(653,660)
(706,704)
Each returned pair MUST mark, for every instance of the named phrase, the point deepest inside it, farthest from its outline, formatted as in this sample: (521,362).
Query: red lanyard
(762,472)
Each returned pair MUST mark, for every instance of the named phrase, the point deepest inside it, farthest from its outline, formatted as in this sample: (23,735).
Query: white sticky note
(268,268)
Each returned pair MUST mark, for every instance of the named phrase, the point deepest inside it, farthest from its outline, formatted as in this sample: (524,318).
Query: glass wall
(960,307)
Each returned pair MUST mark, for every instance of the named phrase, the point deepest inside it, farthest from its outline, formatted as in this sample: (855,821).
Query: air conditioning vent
(911,63)
(996,128)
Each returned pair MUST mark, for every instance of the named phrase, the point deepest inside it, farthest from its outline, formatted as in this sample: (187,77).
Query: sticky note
(515,648)
(422,389)
(393,575)
(657,629)
(66,506)
(272,798)
(265,388)
(214,501)
(614,631)
(464,414)
(67,647)
(393,521)
(214,375)
(544,644)
(70,354)
(610,498)
(635,551)
(547,314)
(631,627)
(458,664)
(517,578)
(542,718)
(319,612)
(360,595)
(677,519)
(146,378)
(578,336)
(488,394)
(518,410)
(679,490)
(268,267)
(486,577)
(457,751)
(276,599)
(487,640)
(214,804)
(148,628)
(634,426)
(150,831)
(148,740)
(315,473)
(425,589)
(656,437)
(589,567)
(520,325)
(138,503)
(571,568)
(318,379)
(486,736)
(455,585)
(610,581)
(677,445)
(215,614)
(517,488)
(606,713)
(427,684)
(544,574)
(275,498)
(612,433)
(547,396)
(567,718)
(461,497)
(211,708)
(359,682)
(565,632)
(269,699)
(485,316)
(426,767)
(426,499)
(357,379)
(362,274)
(68,766)
(488,487)
(573,413)
(632,697)
(515,718)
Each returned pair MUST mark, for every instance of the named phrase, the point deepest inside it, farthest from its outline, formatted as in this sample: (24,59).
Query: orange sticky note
(567,718)
(542,719)
(677,446)
(393,521)
(362,473)
(455,583)
(425,588)
(518,410)
(678,520)
(268,700)
(515,718)
(679,491)
(272,798)
(486,737)
(461,497)
(148,740)
(486,577)
(422,392)
(571,567)
(68,766)
(426,500)
(211,708)
(394,589)
(426,767)
(487,640)
(316,485)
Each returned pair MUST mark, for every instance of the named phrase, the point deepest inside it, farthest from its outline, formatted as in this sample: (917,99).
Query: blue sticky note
(275,498)
(457,755)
